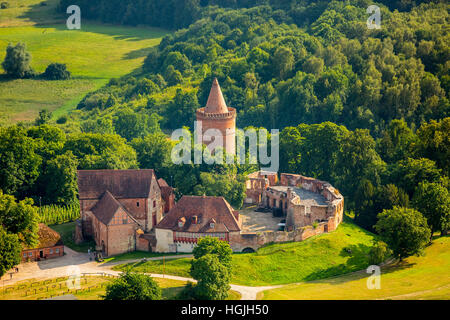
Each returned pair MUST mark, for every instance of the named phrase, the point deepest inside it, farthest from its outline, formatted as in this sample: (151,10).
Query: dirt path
(74,262)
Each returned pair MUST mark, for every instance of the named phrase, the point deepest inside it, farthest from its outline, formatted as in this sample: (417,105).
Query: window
(51,251)
(137,204)
(24,254)
(125,220)
(154,203)
(30,254)
(57,250)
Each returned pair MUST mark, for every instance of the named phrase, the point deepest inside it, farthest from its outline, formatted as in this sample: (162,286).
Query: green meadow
(425,277)
(93,55)
(342,251)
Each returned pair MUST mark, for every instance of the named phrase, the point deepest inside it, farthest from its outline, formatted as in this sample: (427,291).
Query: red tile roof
(162,183)
(216,102)
(206,209)
(92,184)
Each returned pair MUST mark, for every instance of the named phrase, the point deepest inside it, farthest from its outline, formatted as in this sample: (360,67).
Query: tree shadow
(49,16)
(354,268)
(44,12)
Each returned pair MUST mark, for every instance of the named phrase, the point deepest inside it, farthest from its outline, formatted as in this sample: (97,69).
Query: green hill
(93,55)
(316,258)
(424,277)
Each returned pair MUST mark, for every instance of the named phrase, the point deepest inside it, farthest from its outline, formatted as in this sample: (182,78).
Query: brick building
(119,208)
(217,117)
(193,218)
(50,246)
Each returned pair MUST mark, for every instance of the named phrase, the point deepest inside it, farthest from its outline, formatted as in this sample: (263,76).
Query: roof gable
(108,207)
(206,209)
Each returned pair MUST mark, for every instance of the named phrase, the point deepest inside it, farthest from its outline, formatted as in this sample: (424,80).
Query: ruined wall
(334,211)
(301,222)
(239,242)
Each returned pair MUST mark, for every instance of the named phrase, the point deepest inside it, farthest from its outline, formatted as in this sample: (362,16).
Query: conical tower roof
(216,102)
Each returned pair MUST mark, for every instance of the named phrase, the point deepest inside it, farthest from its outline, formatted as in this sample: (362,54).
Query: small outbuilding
(50,245)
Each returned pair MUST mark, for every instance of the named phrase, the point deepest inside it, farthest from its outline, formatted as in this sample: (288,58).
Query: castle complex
(128,210)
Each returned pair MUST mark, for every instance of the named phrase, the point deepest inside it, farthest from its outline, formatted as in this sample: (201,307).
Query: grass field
(91,288)
(93,55)
(316,258)
(424,277)
(66,231)
(136,255)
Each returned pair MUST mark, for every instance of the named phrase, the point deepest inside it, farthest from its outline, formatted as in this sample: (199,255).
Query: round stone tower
(216,115)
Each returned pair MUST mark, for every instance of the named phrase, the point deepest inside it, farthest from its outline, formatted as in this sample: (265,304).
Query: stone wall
(301,222)
(242,241)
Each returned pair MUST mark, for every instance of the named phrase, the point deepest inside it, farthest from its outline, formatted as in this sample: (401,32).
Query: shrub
(133,286)
(4,5)
(61,120)
(44,117)
(56,71)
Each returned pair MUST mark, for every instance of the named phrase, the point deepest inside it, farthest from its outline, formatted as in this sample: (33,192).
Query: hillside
(316,258)
(93,55)
(415,278)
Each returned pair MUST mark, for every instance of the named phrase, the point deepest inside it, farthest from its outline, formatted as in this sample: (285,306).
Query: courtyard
(253,221)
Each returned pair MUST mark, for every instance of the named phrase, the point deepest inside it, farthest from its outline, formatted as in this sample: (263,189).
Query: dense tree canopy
(404,230)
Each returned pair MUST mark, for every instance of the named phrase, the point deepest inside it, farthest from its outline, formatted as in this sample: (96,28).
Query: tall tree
(10,250)
(59,180)
(101,151)
(17,61)
(19,218)
(404,230)
(213,278)
(19,163)
(433,201)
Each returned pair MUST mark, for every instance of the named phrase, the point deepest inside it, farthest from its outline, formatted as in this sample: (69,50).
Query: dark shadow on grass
(171,293)
(49,16)
(43,12)
(354,268)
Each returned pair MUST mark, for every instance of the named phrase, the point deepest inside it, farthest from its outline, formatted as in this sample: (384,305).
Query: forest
(365,109)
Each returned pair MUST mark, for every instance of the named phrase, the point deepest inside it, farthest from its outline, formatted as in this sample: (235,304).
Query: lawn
(424,277)
(66,231)
(136,255)
(93,55)
(316,258)
(91,288)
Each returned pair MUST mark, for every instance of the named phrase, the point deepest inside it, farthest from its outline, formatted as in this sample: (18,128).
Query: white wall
(164,240)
